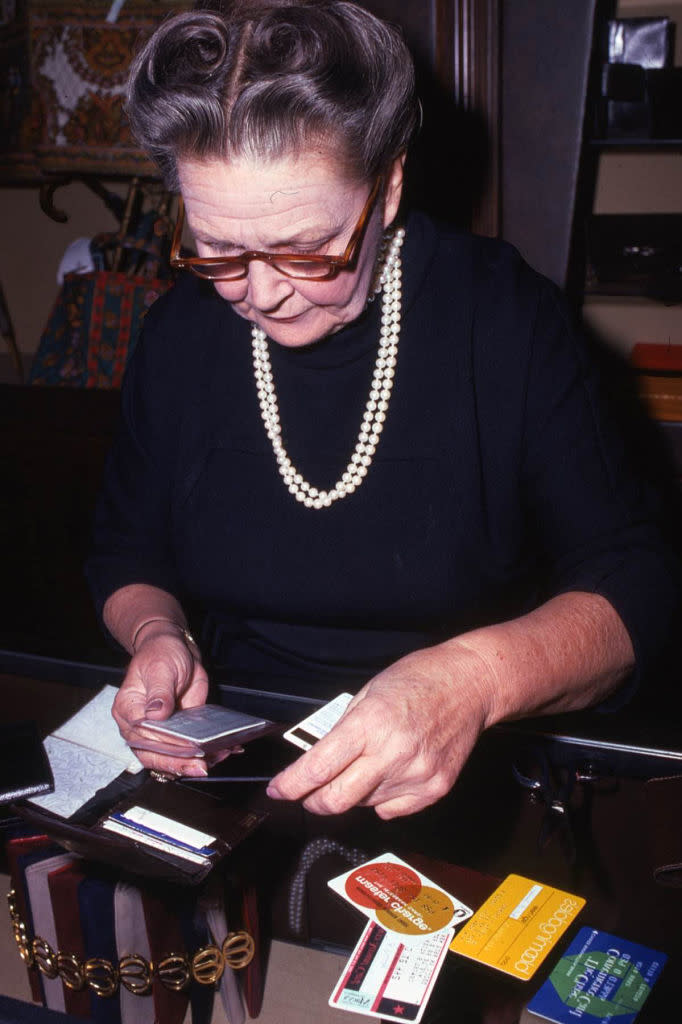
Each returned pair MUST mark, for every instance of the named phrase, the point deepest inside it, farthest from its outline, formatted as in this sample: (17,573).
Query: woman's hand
(405,736)
(402,741)
(165,674)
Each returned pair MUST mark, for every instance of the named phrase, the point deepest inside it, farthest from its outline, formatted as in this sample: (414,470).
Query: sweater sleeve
(131,540)
(599,522)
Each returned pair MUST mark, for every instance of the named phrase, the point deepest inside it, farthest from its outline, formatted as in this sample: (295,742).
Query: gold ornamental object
(135,973)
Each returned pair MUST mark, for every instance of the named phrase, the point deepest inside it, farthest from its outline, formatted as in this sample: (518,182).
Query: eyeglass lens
(234,271)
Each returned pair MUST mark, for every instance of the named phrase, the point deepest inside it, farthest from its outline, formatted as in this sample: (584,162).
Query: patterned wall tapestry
(62,76)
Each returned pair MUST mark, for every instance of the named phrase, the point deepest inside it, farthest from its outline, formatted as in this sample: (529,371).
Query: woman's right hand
(164,675)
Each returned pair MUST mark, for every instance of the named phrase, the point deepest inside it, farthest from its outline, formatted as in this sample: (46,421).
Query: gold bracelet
(175,971)
(185,633)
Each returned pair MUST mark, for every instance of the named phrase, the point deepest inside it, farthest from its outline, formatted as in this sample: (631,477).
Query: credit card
(399,898)
(388,979)
(162,833)
(517,926)
(601,978)
(206,724)
(306,734)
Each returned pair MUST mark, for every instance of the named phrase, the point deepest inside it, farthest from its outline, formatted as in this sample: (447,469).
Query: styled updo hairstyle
(264,78)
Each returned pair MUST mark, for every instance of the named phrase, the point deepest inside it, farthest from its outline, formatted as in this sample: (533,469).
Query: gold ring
(238,950)
(208,965)
(135,974)
(173,972)
(70,971)
(44,956)
(101,976)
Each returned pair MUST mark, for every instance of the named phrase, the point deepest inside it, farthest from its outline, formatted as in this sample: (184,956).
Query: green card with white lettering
(600,978)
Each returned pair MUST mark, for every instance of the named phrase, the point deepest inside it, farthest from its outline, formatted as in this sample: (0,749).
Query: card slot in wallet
(228,824)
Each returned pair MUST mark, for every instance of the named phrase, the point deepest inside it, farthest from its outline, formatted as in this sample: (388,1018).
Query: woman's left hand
(402,741)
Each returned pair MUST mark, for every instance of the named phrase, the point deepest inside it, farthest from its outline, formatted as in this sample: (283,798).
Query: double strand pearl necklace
(377,404)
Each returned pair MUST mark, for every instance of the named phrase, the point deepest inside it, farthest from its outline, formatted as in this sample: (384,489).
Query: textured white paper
(94,727)
(78,774)
(86,753)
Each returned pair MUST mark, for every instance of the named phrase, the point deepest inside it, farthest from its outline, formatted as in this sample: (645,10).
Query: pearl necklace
(377,404)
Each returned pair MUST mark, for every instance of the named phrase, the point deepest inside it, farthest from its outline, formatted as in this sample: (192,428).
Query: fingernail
(273,792)
(154,705)
(194,770)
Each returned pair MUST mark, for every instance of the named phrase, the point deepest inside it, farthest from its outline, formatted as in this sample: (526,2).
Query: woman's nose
(267,287)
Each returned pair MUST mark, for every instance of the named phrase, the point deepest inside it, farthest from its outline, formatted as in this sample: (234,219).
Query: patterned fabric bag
(97,316)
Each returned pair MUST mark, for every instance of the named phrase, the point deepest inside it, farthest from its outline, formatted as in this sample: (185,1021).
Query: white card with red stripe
(386,978)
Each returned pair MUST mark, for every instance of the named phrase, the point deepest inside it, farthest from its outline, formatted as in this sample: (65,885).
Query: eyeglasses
(297,265)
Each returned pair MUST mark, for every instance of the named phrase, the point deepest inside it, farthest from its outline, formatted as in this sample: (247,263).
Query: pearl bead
(390,282)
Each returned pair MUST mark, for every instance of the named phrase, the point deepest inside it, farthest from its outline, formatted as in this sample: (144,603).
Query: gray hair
(265,78)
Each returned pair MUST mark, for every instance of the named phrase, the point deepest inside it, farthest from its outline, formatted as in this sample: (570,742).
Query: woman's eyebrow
(307,237)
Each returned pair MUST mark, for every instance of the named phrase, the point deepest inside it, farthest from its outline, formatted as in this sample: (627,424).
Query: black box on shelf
(625,111)
(640,103)
(664,94)
(640,90)
(635,254)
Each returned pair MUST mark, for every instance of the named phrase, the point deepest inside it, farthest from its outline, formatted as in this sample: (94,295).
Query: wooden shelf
(638,144)
(616,289)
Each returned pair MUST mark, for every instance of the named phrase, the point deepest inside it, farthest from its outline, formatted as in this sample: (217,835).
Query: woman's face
(293,204)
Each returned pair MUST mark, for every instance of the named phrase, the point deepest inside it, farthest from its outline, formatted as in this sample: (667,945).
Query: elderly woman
(371,448)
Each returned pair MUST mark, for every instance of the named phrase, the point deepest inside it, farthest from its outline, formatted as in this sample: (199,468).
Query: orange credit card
(517,926)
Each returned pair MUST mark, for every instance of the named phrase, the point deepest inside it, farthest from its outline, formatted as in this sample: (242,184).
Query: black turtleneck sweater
(498,482)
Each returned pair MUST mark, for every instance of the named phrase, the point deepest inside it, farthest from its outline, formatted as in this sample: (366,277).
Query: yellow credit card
(517,926)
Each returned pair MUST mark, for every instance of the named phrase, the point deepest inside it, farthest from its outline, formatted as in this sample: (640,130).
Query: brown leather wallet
(221,813)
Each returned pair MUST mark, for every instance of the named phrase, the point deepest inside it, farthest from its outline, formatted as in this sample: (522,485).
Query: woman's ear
(394,189)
